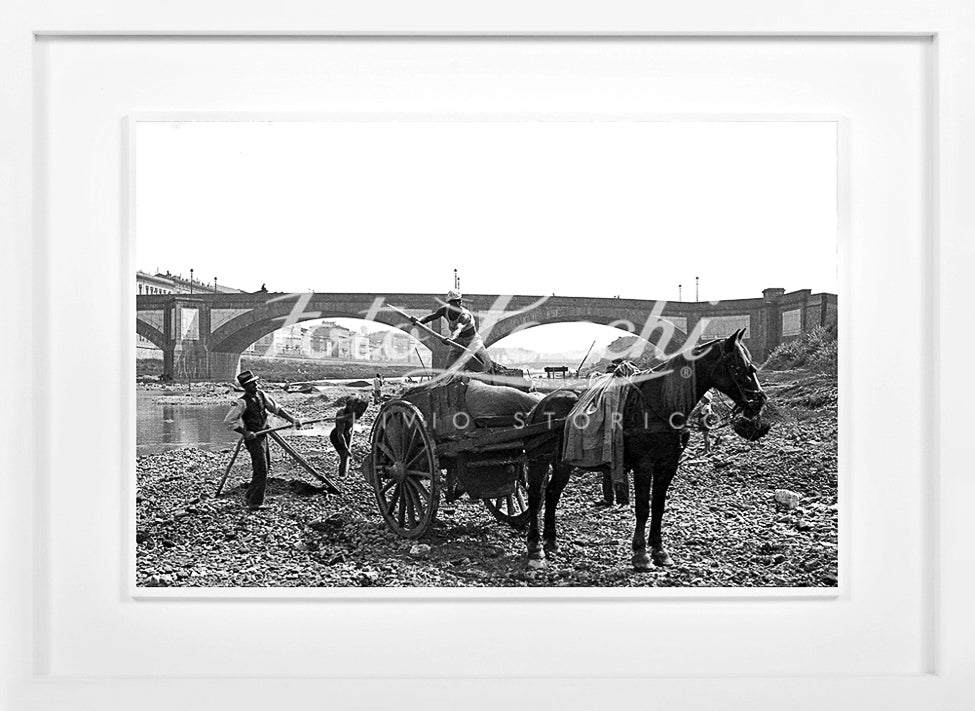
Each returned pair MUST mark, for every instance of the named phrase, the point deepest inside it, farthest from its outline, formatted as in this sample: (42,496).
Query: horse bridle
(751,398)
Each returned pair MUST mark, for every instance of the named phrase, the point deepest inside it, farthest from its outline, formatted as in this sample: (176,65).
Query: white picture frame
(43,667)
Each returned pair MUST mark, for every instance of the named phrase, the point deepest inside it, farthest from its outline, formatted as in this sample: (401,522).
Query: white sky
(576,209)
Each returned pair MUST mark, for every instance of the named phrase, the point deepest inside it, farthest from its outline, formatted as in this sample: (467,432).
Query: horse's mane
(677,392)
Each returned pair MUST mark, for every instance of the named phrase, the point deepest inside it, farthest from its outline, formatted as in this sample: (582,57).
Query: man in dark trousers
(619,490)
(247,416)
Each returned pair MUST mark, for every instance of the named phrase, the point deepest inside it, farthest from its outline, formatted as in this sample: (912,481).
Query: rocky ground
(747,515)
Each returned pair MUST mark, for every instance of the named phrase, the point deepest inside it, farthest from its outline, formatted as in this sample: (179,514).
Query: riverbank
(281,370)
(723,527)
(217,393)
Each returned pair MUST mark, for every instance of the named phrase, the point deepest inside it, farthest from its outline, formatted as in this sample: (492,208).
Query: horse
(656,405)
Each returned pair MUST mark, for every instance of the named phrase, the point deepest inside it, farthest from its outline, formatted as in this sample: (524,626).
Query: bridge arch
(150,333)
(520,323)
(228,342)
(240,332)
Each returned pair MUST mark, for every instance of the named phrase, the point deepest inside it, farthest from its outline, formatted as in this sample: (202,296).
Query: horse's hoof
(641,562)
(536,563)
(552,548)
(662,559)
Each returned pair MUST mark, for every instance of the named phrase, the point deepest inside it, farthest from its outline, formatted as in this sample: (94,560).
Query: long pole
(289,426)
(423,365)
(240,442)
(585,358)
(223,479)
(330,487)
(442,339)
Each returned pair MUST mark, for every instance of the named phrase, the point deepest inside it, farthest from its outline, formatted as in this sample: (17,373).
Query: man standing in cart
(248,416)
(463,331)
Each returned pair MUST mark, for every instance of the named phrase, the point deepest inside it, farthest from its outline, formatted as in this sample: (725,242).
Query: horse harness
(665,424)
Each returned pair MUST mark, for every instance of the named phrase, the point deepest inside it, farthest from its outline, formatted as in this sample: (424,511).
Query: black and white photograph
(547,355)
(486,354)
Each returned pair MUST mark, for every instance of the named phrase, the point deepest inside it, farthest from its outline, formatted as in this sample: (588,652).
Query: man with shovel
(248,415)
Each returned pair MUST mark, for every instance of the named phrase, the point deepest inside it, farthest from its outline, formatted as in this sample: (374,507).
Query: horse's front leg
(662,476)
(560,477)
(536,476)
(642,476)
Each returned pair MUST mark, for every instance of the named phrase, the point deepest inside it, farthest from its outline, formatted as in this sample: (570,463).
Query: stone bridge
(202,336)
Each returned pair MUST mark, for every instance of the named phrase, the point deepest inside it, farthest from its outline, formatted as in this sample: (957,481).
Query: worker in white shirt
(248,416)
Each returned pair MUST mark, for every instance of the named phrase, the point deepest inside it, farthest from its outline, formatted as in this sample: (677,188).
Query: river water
(160,427)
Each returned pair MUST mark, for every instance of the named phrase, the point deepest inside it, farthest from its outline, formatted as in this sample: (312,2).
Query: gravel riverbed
(723,527)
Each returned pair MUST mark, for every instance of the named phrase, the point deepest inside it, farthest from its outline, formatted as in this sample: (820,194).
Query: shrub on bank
(815,350)
(148,367)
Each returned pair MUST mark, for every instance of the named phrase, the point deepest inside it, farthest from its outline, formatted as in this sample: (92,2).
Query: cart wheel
(406,477)
(513,508)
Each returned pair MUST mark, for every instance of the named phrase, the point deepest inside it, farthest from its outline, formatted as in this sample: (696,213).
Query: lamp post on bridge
(214,285)
(191,281)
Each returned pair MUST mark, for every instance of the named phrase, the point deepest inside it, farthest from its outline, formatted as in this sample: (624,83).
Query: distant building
(330,340)
(167,283)
(262,346)
(159,283)
(293,341)
(394,347)
(514,356)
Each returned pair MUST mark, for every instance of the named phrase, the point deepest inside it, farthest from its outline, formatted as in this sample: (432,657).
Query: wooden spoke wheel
(407,477)
(513,508)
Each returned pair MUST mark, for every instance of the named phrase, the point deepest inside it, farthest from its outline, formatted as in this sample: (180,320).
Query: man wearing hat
(247,416)
(463,331)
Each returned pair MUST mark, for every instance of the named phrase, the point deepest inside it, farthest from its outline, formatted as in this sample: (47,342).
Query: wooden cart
(427,440)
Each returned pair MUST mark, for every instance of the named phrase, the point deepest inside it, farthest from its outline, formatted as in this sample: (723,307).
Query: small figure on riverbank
(377,389)
(341,434)
(248,416)
(707,420)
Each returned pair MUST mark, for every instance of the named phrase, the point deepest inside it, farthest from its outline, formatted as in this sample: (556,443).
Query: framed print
(604,162)
(494,430)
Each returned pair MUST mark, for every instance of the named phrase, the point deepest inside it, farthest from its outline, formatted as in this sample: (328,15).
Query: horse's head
(733,373)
